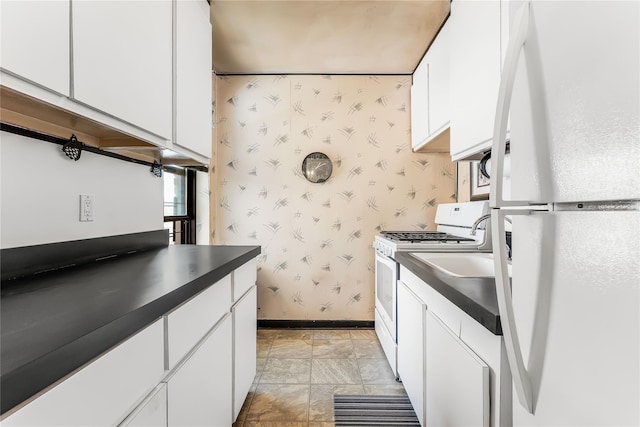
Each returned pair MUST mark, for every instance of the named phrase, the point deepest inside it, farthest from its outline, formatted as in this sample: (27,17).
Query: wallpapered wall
(317,262)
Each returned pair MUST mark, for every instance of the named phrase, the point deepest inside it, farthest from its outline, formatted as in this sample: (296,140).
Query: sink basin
(473,264)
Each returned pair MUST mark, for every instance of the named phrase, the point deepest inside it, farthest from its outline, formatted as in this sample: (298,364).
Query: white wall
(40,189)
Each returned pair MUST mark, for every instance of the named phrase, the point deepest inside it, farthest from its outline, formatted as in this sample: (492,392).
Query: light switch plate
(86,208)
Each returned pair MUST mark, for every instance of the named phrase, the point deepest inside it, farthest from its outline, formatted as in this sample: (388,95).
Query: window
(179,204)
(175,192)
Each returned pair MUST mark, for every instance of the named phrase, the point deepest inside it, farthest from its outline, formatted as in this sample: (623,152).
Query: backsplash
(317,262)
(40,189)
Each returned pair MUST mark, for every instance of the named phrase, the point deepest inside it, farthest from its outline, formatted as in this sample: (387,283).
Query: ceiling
(323,36)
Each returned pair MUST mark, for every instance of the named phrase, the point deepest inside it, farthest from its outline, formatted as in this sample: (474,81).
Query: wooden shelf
(436,144)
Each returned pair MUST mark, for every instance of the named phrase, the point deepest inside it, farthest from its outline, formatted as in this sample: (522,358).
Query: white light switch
(86,208)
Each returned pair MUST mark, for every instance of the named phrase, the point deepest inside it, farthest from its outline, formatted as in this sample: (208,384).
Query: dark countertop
(54,322)
(476,296)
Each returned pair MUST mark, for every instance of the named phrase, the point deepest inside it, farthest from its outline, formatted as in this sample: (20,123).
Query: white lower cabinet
(457,380)
(101,392)
(411,348)
(192,367)
(245,319)
(152,412)
(199,390)
(454,370)
(187,324)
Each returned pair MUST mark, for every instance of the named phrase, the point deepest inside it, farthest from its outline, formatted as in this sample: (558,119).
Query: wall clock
(317,167)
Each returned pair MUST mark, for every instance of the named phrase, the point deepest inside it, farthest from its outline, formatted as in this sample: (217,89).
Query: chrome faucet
(475,225)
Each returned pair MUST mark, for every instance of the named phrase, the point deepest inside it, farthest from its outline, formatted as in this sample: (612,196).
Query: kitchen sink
(473,264)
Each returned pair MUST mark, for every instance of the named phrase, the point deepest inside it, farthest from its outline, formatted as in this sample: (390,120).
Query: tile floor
(299,371)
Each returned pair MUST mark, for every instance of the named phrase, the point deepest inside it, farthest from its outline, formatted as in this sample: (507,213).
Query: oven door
(386,291)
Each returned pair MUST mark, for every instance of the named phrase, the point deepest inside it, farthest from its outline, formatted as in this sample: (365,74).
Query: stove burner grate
(423,236)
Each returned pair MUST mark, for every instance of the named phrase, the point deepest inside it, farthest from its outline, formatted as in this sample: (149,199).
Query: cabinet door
(457,380)
(245,319)
(244,277)
(152,412)
(475,74)
(411,348)
(199,391)
(102,392)
(193,76)
(122,60)
(188,323)
(35,42)
(438,60)
(420,105)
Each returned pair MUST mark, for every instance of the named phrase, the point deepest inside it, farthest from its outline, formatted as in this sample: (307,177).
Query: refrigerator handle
(521,381)
(517,40)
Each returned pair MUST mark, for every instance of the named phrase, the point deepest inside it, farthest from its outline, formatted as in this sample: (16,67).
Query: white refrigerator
(571,312)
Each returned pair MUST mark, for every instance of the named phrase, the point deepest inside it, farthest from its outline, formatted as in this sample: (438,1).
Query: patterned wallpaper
(317,261)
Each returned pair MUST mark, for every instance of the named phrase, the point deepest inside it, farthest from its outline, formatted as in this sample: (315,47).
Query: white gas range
(457,231)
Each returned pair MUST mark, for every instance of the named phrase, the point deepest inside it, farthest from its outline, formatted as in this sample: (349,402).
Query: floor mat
(367,410)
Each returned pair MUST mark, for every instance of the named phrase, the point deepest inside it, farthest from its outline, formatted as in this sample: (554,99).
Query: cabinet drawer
(187,324)
(447,311)
(152,412)
(244,348)
(244,278)
(199,391)
(103,391)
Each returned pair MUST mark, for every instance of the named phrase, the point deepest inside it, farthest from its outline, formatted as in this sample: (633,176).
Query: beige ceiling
(323,36)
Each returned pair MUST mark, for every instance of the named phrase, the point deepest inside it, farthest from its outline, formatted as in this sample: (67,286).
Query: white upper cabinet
(438,60)
(35,42)
(420,105)
(122,61)
(475,40)
(193,76)
(430,97)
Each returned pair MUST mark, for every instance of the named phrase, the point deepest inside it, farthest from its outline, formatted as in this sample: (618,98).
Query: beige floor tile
(260,362)
(286,371)
(321,400)
(267,334)
(332,349)
(293,334)
(368,349)
(376,371)
(331,334)
(299,371)
(363,334)
(386,389)
(291,348)
(263,347)
(279,402)
(335,371)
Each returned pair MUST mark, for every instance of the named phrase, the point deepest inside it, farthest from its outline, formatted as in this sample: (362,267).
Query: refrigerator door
(576,302)
(575,117)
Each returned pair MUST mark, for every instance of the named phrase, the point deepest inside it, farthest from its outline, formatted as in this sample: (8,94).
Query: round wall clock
(317,167)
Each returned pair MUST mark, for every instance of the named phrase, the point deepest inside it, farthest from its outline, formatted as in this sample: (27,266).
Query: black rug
(365,410)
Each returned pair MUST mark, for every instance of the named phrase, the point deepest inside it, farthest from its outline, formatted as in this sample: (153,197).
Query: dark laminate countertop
(476,296)
(55,322)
